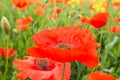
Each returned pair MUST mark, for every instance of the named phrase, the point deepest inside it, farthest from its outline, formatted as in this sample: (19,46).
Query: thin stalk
(6,66)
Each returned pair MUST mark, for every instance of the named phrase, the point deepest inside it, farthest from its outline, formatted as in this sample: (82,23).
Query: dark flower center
(43,63)
(64,46)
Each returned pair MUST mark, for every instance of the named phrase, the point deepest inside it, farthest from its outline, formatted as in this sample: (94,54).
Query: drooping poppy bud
(5,25)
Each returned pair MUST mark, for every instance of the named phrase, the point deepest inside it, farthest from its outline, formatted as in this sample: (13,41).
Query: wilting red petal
(27,70)
(39,11)
(100,76)
(114,28)
(82,43)
(99,20)
(3,52)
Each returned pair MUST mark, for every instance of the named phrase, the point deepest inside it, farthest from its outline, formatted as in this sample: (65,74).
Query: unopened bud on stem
(5,25)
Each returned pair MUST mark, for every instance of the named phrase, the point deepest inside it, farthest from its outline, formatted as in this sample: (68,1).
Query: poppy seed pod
(5,25)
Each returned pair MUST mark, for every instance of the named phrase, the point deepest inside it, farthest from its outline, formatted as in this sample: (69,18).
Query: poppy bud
(5,25)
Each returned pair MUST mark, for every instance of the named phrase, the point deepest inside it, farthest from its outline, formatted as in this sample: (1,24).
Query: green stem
(6,66)
(63,72)
(78,66)
(101,34)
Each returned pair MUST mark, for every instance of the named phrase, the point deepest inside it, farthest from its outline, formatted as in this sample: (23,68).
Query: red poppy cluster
(114,29)
(55,48)
(98,20)
(64,45)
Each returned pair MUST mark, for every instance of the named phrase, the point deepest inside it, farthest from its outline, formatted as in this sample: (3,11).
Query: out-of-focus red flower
(40,4)
(83,20)
(66,44)
(5,51)
(117,20)
(106,5)
(23,23)
(100,76)
(57,10)
(116,4)
(99,20)
(53,16)
(39,11)
(114,29)
(22,4)
(58,1)
(91,6)
(41,69)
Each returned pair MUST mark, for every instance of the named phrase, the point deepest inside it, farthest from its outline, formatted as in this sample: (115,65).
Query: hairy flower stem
(6,66)
(63,72)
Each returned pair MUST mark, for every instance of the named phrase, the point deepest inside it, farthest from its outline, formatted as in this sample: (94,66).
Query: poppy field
(59,39)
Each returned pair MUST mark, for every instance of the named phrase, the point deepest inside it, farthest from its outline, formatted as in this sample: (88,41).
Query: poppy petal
(100,76)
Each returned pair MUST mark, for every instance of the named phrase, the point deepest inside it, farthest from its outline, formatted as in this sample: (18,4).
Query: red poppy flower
(39,11)
(100,76)
(116,4)
(57,10)
(53,17)
(40,4)
(23,24)
(3,52)
(114,28)
(99,19)
(117,20)
(22,4)
(41,69)
(59,1)
(66,44)
(83,20)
